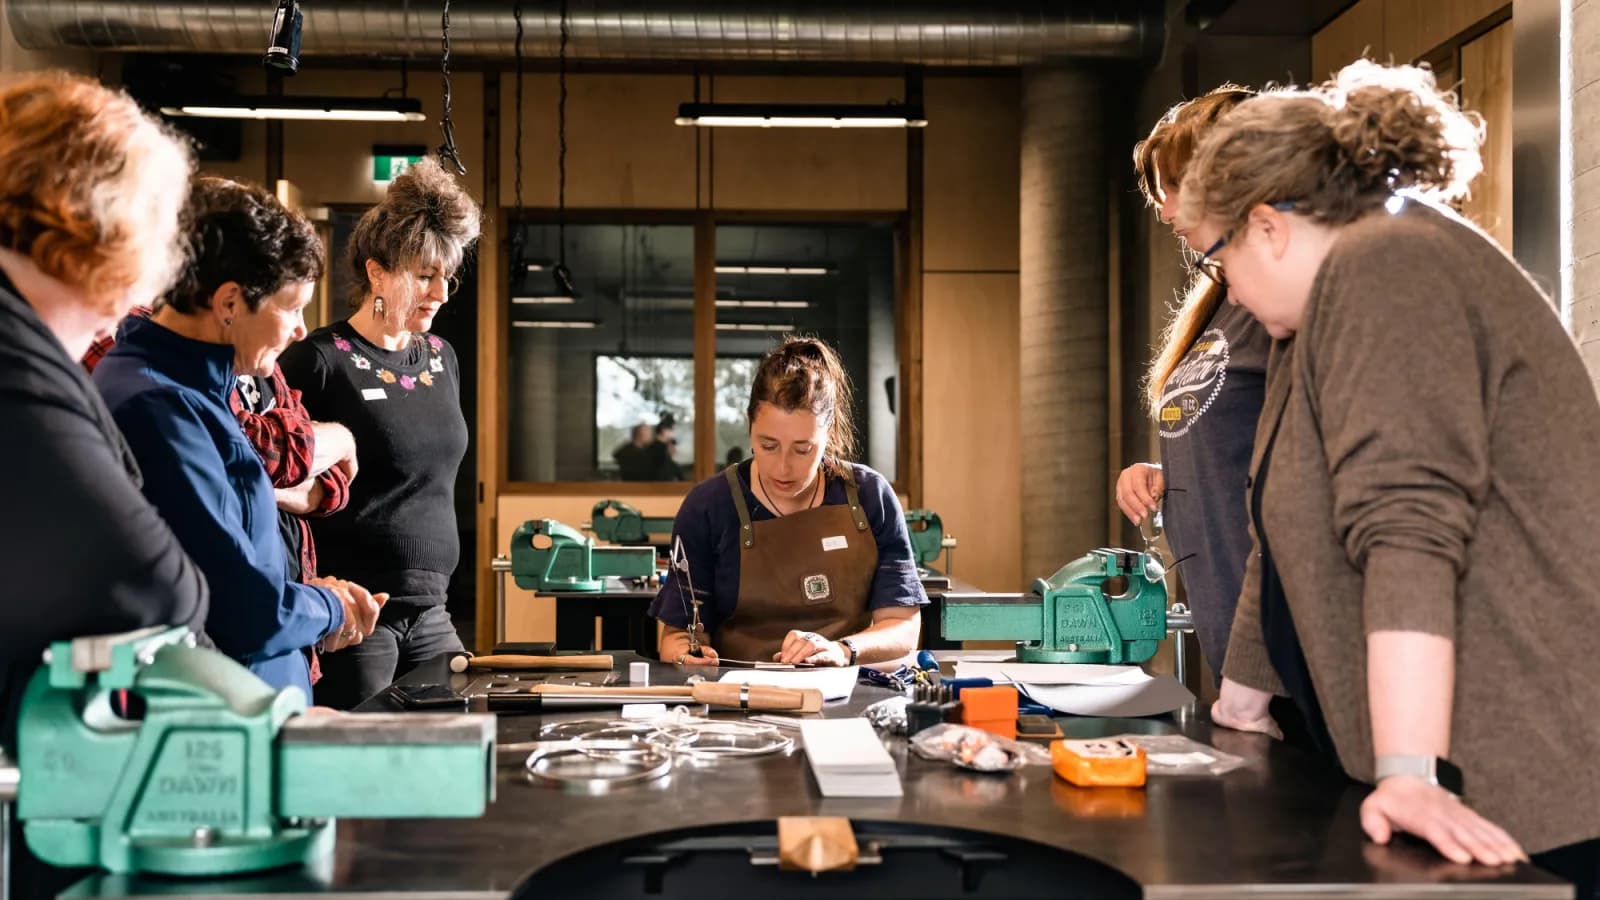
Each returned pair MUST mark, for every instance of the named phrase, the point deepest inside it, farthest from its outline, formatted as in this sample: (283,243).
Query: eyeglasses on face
(1211,267)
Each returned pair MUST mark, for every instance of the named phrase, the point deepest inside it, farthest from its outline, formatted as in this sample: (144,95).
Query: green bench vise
(219,774)
(1109,606)
(927,539)
(549,556)
(616,522)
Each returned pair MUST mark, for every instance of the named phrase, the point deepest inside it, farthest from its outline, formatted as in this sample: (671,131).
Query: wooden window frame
(705,223)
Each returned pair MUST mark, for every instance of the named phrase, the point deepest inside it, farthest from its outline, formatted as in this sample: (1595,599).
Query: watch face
(1449,776)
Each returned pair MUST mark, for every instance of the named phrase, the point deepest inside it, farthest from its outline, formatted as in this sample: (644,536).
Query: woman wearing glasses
(1204,390)
(398,389)
(1424,478)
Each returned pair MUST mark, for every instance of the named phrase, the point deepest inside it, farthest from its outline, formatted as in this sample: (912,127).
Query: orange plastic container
(1006,728)
(989,704)
(1099,763)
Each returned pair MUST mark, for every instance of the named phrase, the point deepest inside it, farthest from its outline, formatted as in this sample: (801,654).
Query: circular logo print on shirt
(1194,384)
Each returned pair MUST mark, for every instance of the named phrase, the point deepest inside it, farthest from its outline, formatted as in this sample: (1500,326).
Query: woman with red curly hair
(90,190)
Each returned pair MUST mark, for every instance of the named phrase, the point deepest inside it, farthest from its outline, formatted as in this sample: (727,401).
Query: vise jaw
(549,556)
(1108,606)
(144,753)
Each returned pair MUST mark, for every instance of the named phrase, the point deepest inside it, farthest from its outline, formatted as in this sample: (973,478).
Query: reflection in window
(833,281)
(631,392)
(606,370)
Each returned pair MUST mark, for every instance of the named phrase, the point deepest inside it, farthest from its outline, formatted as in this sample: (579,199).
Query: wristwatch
(851,646)
(1432,769)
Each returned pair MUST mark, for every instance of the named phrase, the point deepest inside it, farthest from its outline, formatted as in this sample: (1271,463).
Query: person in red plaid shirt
(310,463)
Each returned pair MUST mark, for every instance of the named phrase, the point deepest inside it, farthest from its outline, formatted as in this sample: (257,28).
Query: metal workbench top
(1284,826)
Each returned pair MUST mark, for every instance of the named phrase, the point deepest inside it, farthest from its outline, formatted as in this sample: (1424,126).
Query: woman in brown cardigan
(1425,471)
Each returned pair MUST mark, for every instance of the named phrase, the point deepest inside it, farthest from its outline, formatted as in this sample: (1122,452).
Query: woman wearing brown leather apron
(796,555)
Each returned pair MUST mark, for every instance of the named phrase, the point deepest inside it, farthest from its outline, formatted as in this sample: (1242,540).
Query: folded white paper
(848,759)
(1155,696)
(1051,673)
(835,683)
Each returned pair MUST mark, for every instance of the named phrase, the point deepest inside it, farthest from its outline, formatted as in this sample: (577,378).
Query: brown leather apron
(810,570)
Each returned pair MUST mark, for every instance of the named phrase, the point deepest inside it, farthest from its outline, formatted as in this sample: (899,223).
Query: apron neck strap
(853,497)
(747,534)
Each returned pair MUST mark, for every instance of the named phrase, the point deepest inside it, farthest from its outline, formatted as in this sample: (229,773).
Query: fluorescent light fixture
(774,270)
(555,323)
(544,301)
(304,108)
(801,115)
(764,304)
(748,326)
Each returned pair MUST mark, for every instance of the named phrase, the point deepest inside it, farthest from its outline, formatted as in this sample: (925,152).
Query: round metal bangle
(648,761)
(739,740)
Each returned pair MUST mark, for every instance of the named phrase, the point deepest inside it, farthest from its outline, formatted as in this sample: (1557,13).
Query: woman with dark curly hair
(397,387)
(251,270)
(1416,578)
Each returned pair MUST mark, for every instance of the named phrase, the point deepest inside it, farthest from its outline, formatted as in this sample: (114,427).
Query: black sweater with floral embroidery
(398,533)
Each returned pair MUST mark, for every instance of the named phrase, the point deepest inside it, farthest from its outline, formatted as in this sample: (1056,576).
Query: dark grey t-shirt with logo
(1207,424)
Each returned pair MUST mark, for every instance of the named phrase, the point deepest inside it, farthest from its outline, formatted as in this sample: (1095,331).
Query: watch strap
(1432,769)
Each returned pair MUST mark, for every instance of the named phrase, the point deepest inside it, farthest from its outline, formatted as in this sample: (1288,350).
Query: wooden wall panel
(332,161)
(1357,32)
(1486,87)
(623,150)
(1413,27)
(971,422)
(1397,30)
(813,169)
(972,169)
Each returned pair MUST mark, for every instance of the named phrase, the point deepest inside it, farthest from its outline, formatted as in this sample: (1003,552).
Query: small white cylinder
(639,673)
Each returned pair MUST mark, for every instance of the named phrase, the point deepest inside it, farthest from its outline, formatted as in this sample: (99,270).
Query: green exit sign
(390,162)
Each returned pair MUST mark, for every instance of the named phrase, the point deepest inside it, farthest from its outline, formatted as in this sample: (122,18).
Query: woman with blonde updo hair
(397,387)
(797,555)
(90,192)
(1424,479)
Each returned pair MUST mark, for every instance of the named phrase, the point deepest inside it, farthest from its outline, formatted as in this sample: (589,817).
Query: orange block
(989,704)
(1099,763)
(1006,728)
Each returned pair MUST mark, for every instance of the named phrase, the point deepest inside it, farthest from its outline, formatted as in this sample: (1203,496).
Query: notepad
(848,759)
(834,683)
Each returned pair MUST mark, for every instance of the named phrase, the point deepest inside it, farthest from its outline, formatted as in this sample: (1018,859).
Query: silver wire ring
(647,762)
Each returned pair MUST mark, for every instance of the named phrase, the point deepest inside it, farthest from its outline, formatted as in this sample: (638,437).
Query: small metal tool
(679,562)
(1155,568)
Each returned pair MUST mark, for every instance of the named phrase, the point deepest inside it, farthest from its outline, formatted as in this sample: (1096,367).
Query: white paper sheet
(835,683)
(1155,696)
(848,759)
(1052,673)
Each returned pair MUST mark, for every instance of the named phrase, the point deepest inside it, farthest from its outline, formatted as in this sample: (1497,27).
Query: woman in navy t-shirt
(794,555)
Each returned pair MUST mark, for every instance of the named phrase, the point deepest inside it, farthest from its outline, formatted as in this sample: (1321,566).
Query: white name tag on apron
(837,542)
(374,394)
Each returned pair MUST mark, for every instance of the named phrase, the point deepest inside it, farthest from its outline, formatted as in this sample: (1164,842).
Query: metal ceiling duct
(928,32)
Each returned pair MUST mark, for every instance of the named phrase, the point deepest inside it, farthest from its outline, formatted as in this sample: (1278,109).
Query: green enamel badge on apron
(816,588)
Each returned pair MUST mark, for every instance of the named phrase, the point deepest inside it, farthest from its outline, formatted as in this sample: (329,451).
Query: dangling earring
(377,307)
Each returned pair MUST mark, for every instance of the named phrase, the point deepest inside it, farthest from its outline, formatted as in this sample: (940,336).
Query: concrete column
(1585,183)
(534,404)
(1063,318)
